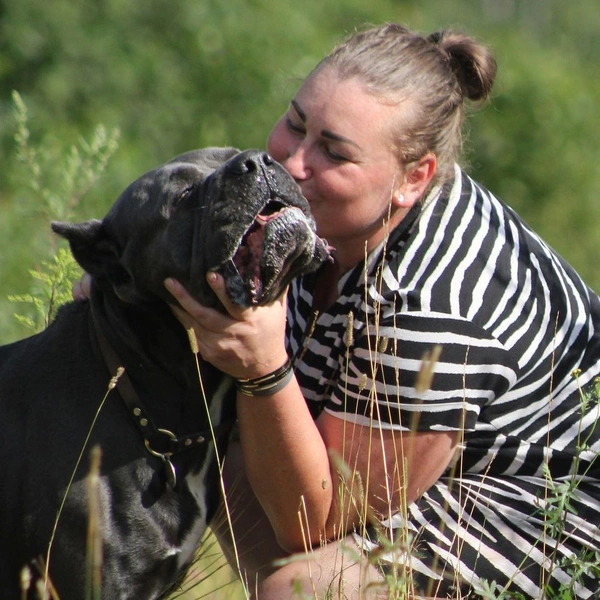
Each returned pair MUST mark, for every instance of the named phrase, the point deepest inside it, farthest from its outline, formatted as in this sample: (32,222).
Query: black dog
(237,213)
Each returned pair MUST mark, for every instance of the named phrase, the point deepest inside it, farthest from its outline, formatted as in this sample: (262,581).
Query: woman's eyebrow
(298,110)
(326,133)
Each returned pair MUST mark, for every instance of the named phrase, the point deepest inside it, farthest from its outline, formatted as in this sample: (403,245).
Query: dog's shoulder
(66,334)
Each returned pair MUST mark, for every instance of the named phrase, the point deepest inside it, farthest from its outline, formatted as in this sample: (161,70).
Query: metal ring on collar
(160,454)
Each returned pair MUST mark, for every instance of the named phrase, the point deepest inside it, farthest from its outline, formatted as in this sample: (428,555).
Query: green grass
(211,577)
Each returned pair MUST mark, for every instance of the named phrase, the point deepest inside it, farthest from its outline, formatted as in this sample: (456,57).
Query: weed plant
(55,186)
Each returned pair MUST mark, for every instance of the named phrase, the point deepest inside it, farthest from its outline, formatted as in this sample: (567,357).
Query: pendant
(170,473)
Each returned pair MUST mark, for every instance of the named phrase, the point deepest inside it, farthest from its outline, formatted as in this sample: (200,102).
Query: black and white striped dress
(520,339)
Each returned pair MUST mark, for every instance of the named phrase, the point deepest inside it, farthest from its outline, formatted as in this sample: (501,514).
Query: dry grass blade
(111,385)
(218,458)
(427,369)
(94,533)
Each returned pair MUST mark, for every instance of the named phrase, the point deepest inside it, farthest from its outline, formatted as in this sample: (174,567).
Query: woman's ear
(420,174)
(417,178)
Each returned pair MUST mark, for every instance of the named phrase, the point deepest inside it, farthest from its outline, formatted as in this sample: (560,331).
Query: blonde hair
(437,73)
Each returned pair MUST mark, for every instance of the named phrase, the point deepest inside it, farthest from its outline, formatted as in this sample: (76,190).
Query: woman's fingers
(182,296)
(244,342)
(193,307)
(193,315)
(217,284)
(82,289)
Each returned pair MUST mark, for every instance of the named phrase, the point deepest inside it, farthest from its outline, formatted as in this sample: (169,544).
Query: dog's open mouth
(248,256)
(278,245)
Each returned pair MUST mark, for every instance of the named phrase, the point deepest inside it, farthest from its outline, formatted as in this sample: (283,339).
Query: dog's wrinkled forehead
(206,159)
(164,185)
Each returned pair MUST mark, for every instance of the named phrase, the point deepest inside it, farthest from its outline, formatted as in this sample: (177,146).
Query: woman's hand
(243,342)
(82,289)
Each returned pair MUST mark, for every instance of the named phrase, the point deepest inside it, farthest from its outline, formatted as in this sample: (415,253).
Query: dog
(237,213)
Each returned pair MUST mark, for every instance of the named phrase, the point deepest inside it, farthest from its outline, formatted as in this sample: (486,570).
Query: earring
(400,199)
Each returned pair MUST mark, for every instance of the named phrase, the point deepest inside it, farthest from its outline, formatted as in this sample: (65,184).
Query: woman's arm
(294,464)
(390,468)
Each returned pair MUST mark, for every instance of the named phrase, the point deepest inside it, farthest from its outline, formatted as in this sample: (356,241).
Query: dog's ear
(92,248)
(99,255)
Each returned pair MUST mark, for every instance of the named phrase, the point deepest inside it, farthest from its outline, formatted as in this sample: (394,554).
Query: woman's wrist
(268,384)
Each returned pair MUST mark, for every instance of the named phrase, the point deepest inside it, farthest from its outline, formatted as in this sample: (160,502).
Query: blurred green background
(173,75)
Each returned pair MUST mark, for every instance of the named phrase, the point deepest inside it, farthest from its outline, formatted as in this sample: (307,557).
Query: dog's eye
(185,194)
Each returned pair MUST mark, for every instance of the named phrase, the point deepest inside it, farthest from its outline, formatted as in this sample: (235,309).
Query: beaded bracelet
(267,384)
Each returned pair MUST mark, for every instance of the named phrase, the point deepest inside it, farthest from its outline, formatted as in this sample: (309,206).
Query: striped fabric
(520,338)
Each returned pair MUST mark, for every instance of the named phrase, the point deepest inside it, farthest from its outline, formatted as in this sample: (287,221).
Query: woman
(434,483)
(425,259)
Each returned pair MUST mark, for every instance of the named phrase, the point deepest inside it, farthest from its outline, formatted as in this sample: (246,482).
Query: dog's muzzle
(277,247)
(255,229)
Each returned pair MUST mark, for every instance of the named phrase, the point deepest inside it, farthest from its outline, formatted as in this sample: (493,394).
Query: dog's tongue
(248,256)
(276,244)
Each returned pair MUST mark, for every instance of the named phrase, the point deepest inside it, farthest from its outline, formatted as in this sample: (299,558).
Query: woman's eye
(293,127)
(335,156)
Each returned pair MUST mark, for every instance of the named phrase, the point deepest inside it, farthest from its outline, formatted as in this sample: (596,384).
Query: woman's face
(335,141)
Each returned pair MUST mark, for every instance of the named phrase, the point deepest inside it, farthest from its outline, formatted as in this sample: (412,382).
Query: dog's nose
(251,161)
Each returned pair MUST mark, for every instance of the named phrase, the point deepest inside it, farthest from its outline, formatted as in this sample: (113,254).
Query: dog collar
(159,442)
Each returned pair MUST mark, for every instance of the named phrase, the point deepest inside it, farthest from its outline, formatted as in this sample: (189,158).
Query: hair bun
(472,63)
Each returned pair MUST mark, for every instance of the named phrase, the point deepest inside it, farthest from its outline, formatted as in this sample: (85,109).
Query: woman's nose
(296,163)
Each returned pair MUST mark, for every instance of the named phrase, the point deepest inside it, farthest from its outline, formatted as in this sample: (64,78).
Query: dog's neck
(155,351)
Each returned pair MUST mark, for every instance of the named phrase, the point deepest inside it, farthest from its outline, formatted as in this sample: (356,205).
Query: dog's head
(237,213)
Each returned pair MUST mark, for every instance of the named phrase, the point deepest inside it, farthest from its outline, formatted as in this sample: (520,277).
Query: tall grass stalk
(218,458)
(94,532)
(111,386)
